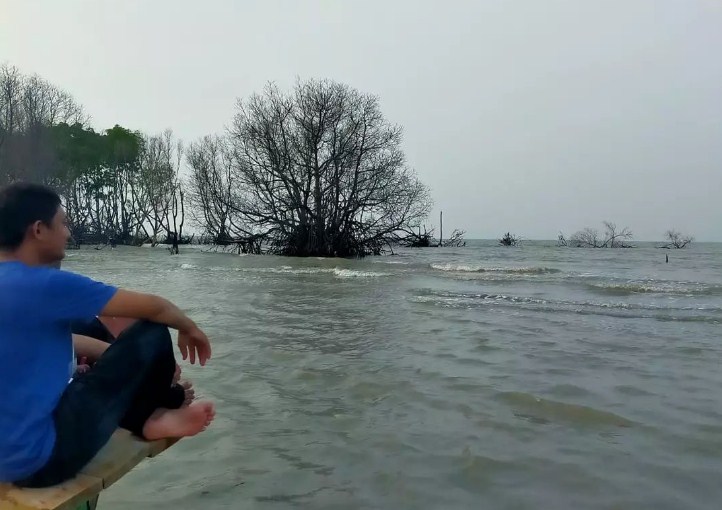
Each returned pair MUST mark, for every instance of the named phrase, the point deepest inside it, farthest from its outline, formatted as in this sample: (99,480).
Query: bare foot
(176,374)
(189,391)
(183,422)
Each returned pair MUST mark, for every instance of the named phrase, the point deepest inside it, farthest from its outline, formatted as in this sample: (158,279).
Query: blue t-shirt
(37,305)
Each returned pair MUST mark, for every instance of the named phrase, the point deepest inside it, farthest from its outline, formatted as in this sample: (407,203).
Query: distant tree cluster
(612,237)
(118,186)
(314,171)
(29,107)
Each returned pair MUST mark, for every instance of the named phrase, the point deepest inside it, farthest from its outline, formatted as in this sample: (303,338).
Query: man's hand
(194,343)
(191,340)
(82,367)
(89,348)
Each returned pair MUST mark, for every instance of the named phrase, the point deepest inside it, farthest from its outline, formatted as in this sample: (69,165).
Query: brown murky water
(477,377)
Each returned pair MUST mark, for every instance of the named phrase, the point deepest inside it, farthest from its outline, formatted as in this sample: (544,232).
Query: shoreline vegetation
(314,171)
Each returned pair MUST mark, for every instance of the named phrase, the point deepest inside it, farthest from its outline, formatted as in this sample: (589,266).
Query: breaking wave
(462,268)
(448,299)
(653,287)
(288,270)
(352,273)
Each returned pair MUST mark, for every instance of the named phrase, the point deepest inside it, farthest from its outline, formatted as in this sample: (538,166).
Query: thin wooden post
(91,504)
(441,227)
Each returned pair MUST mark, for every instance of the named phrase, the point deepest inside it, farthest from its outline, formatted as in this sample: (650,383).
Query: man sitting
(50,428)
(92,338)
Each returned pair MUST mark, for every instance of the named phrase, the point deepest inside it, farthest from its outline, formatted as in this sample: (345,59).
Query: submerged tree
(510,240)
(418,238)
(158,191)
(586,238)
(677,240)
(318,171)
(615,238)
(590,237)
(211,186)
(455,240)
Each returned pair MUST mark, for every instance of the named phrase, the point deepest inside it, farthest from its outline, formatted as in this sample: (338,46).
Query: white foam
(457,268)
(289,270)
(351,273)
(463,268)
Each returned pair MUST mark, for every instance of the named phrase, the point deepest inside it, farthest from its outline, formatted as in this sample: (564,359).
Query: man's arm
(135,305)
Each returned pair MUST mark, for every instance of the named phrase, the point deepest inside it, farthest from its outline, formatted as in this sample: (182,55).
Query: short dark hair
(21,205)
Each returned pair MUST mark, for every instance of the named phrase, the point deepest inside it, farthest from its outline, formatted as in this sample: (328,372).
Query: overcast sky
(526,115)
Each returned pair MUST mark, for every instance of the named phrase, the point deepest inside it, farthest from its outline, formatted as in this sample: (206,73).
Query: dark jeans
(128,383)
(94,329)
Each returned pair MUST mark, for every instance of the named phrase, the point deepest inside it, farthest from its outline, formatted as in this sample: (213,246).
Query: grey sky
(531,115)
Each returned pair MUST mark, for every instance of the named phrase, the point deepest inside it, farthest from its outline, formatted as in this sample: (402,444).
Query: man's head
(32,223)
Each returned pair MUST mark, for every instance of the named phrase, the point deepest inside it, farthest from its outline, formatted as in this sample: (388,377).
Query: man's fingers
(183,345)
(194,347)
(205,349)
(204,354)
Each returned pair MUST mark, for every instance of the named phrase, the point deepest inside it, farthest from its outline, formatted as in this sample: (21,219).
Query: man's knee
(153,328)
(152,336)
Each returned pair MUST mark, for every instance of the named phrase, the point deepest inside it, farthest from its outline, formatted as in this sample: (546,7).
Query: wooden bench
(122,453)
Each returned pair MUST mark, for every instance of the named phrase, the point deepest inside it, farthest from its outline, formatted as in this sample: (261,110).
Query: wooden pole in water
(441,227)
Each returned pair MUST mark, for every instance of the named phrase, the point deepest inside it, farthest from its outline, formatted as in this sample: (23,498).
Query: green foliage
(122,147)
(112,188)
(80,151)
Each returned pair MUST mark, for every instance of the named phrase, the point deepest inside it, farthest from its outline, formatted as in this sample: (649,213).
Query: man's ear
(36,230)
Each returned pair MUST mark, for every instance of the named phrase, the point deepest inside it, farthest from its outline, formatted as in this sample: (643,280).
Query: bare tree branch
(677,240)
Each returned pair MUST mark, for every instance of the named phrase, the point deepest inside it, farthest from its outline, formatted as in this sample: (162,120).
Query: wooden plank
(118,457)
(159,446)
(66,496)
(122,453)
